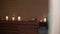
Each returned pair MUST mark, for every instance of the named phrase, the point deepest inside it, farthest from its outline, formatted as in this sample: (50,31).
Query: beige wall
(27,9)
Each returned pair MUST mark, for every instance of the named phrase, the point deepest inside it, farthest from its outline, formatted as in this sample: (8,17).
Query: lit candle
(41,21)
(19,18)
(13,18)
(44,19)
(6,18)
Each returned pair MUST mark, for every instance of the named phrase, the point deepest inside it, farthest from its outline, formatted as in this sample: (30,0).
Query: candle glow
(19,18)
(44,19)
(13,18)
(41,20)
(6,17)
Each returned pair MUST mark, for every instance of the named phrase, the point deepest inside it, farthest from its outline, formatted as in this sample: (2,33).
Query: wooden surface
(19,27)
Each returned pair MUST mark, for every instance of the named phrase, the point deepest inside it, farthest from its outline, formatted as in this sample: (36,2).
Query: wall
(27,9)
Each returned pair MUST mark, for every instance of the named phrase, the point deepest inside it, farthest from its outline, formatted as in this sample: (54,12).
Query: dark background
(27,9)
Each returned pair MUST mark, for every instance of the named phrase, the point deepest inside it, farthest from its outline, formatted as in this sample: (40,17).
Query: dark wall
(27,9)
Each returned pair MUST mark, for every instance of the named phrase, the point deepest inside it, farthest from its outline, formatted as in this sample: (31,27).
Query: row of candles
(19,18)
(13,18)
(44,20)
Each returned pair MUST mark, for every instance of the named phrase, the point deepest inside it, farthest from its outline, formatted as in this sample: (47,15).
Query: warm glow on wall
(13,18)
(19,18)
(6,17)
(44,19)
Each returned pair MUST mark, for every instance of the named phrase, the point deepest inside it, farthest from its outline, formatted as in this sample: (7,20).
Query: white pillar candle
(13,18)
(19,18)
(6,18)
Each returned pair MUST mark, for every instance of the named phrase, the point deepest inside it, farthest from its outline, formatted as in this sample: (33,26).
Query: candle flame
(6,17)
(13,18)
(44,19)
(19,18)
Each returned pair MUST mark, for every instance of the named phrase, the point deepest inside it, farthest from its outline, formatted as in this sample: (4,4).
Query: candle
(41,20)
(6,18)
(13,18)
(19,18)
(44,19)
